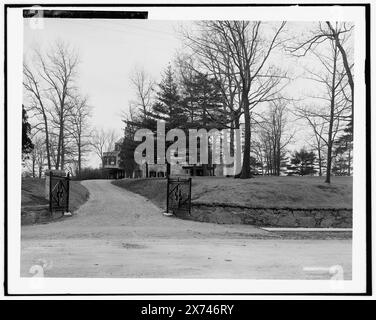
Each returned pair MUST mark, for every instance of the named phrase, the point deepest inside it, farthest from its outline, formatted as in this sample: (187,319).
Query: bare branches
(236,54)
(78,128)
(327,120)
(49,82)
(144,87)
(102,141)
(336,35)
(32,85)
(273,136)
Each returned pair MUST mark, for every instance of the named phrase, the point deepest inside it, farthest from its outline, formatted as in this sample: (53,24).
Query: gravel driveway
(120,234)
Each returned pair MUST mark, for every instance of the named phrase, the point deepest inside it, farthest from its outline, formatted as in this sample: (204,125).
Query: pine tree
(27,145)
(168,106)
(304,162)
(203,103)
(343,147)
(127,150)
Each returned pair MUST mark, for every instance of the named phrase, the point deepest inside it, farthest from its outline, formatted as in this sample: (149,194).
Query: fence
(179,195)
(59,193)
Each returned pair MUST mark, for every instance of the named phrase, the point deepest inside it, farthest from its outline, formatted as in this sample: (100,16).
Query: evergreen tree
(343,147)
(168,106)
(127,152)
(304,162)
(203,102)
(27,145)
(194,102)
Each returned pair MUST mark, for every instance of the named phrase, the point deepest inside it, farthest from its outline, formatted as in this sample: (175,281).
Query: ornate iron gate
(59,193)
(179,194)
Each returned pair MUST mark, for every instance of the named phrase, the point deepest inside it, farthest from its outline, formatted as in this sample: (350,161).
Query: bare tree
(37,158)
(335,108)
(274,136)
(50,84)
(338,33)
(58,70)
(258,150)
(102,141)
(216,63)
(35,92)
(317,144)
(143,85)
(248,50)
(78,128)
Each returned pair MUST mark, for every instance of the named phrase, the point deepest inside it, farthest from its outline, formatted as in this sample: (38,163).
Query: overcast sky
(110,50)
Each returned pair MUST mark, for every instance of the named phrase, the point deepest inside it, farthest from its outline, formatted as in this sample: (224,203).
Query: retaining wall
(270,217)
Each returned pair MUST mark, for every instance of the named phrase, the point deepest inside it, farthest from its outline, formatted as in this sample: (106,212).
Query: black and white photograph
(187,149)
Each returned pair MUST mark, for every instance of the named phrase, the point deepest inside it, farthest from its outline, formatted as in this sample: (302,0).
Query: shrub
(90,173)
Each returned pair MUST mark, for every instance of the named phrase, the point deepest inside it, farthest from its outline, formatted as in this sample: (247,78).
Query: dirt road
(120,234)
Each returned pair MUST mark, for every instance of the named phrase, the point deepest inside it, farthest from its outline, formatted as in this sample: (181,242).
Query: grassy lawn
(32,193)
(262,191)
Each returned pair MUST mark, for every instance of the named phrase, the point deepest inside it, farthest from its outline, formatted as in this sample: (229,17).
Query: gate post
(52,179)
(50,191)
(68,183)
(47,175)
(168,191)
(190,195)
(181,190)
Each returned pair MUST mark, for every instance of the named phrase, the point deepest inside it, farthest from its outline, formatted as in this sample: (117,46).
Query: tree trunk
(320,161)
(329,159)
(57,166)
(62,163)
(60,147)
(246,170)
(331,120)
(33,164)
(237,126)
(349,165)
(278,159)
(79,158)
(274,160)
(47,141)
(346,65)
(232,139)
(45,120)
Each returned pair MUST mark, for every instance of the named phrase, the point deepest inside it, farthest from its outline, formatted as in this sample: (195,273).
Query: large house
(160,170)
(111,162)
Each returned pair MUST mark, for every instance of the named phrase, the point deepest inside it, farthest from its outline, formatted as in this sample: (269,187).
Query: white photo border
(17,285)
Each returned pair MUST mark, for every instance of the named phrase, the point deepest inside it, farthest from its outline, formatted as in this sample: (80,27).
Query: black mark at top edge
(86,14)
